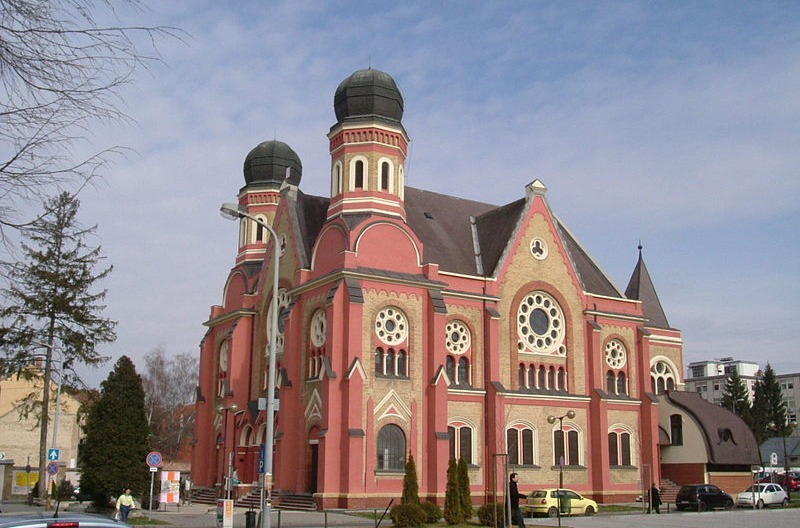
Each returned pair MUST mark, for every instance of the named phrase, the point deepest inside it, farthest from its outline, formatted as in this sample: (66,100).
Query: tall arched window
(520,445)
(676,429)
(337,179)
(662,376)
(562,379)
(619,447)
(379,361)
(622,385)
(460,437)
(450,367)
(359,175)
(463,372)
(385,176)
(391,448)
(611,382)
(522,372)
(565,444)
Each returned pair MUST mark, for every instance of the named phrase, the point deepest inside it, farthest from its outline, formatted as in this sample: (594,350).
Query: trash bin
(249,519)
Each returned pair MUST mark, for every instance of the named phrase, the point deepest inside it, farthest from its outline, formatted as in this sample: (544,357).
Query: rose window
(540,325)
(616,356)
(318,328)
(283,304)
(391,326)
(458,337)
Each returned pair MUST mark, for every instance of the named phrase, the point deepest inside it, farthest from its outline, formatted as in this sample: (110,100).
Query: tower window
(384,176)
(359,176)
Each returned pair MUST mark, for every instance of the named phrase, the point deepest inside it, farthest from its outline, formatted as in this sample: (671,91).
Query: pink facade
(423,324)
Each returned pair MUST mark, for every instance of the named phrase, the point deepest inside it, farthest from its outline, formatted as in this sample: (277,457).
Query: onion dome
(368,93)
(267,163)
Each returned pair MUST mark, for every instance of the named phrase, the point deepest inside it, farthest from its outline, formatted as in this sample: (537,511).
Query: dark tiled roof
(443,224)
(594,280)
(728,439)
(641,288)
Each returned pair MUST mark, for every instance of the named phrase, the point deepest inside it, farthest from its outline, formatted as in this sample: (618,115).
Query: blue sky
(673,123)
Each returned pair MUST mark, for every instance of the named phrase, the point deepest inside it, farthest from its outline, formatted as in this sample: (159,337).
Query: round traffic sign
(154,459)
(52,468)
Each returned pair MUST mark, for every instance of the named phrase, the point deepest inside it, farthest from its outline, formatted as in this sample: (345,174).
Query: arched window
(402,364)
(390,362)
(337,179)
(522,372)
(622,385)
(619,448)
(676,429)
(532,377)
(562,379)
(359,175)
(385,176)
(611,382)
(450,367)
(520,446)
(391,448)
(662,376)
(540,381)
(379,361)
(460,437)
(551,378)
(463,372)
(566,445)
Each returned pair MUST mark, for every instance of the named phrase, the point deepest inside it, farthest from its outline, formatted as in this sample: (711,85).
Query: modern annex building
(422,324)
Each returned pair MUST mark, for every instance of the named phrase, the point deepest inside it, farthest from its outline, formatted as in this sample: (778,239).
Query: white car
(762,495)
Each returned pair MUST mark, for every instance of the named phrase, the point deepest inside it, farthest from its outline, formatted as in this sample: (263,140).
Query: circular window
(540,324)
(538,248)
(391,326)
(318,328)
(616,356)
(283,304)
(458,337)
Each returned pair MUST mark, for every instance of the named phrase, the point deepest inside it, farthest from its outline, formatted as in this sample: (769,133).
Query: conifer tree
(113,453)
(410,484)
(769,409)
(52,303)
(464,490)
(736,396)
(453,508)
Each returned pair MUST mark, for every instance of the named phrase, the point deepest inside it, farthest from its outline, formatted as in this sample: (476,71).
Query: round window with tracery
(616,355)
(458,337)
(283,304)
(540,325)
(391,326)
(318,328)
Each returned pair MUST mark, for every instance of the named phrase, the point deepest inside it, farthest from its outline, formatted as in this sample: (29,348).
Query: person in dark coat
(513,500)
(655,498)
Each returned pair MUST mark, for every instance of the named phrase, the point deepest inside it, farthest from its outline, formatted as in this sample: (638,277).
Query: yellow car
(546,502)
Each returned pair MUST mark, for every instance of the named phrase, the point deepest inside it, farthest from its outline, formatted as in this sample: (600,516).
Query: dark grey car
(702,497)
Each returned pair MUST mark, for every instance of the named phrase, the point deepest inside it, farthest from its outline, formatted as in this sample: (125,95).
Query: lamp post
(223,410)
(551,420)
(235,212)
(782,431)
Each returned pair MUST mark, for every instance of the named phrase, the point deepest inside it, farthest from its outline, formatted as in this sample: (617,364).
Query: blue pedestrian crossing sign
(53,454)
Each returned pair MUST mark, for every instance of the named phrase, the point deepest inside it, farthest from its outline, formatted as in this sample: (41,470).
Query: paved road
(202,516)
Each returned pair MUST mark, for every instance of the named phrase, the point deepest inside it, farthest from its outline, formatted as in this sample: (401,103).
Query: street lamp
(234,212)
(223,410)
(782,431)
(551,420)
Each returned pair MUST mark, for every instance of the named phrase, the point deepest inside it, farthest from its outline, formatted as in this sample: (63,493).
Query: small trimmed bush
(432,512)
(407,515)
(487,511)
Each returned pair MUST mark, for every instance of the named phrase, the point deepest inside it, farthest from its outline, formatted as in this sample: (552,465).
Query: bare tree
(59,71)
(169,385)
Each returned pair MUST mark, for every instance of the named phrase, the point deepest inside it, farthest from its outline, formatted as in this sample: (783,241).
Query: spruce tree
(769,409)
(464,490)
(51,303)
(114,450)
(453,508)
(410,484)
(736,396)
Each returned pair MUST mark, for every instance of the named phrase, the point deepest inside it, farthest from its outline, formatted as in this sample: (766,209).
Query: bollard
(250,519)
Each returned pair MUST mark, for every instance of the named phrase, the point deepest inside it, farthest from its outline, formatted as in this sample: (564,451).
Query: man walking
(512,501)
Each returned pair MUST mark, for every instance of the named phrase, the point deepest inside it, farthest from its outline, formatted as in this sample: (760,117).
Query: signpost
(153,460)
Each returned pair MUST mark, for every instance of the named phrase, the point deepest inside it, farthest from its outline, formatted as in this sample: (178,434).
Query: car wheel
(701,506)
(589,511)
(785,502)
(759,504)
(728,504)
(552,513)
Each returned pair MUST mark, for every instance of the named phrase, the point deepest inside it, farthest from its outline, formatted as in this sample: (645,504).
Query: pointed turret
(641,288)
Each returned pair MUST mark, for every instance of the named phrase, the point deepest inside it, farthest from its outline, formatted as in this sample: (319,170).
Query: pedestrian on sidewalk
(655,498)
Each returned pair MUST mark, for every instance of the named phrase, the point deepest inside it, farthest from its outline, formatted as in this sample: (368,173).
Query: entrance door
(314,463)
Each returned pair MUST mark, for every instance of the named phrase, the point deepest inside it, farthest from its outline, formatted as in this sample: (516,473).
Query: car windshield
(756,489)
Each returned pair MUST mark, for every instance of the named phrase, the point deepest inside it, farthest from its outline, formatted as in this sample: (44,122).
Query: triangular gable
(314,406)
(441,375)
(392,406)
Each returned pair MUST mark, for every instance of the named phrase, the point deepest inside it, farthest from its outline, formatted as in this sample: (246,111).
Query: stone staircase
(669,491)
(280,500)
